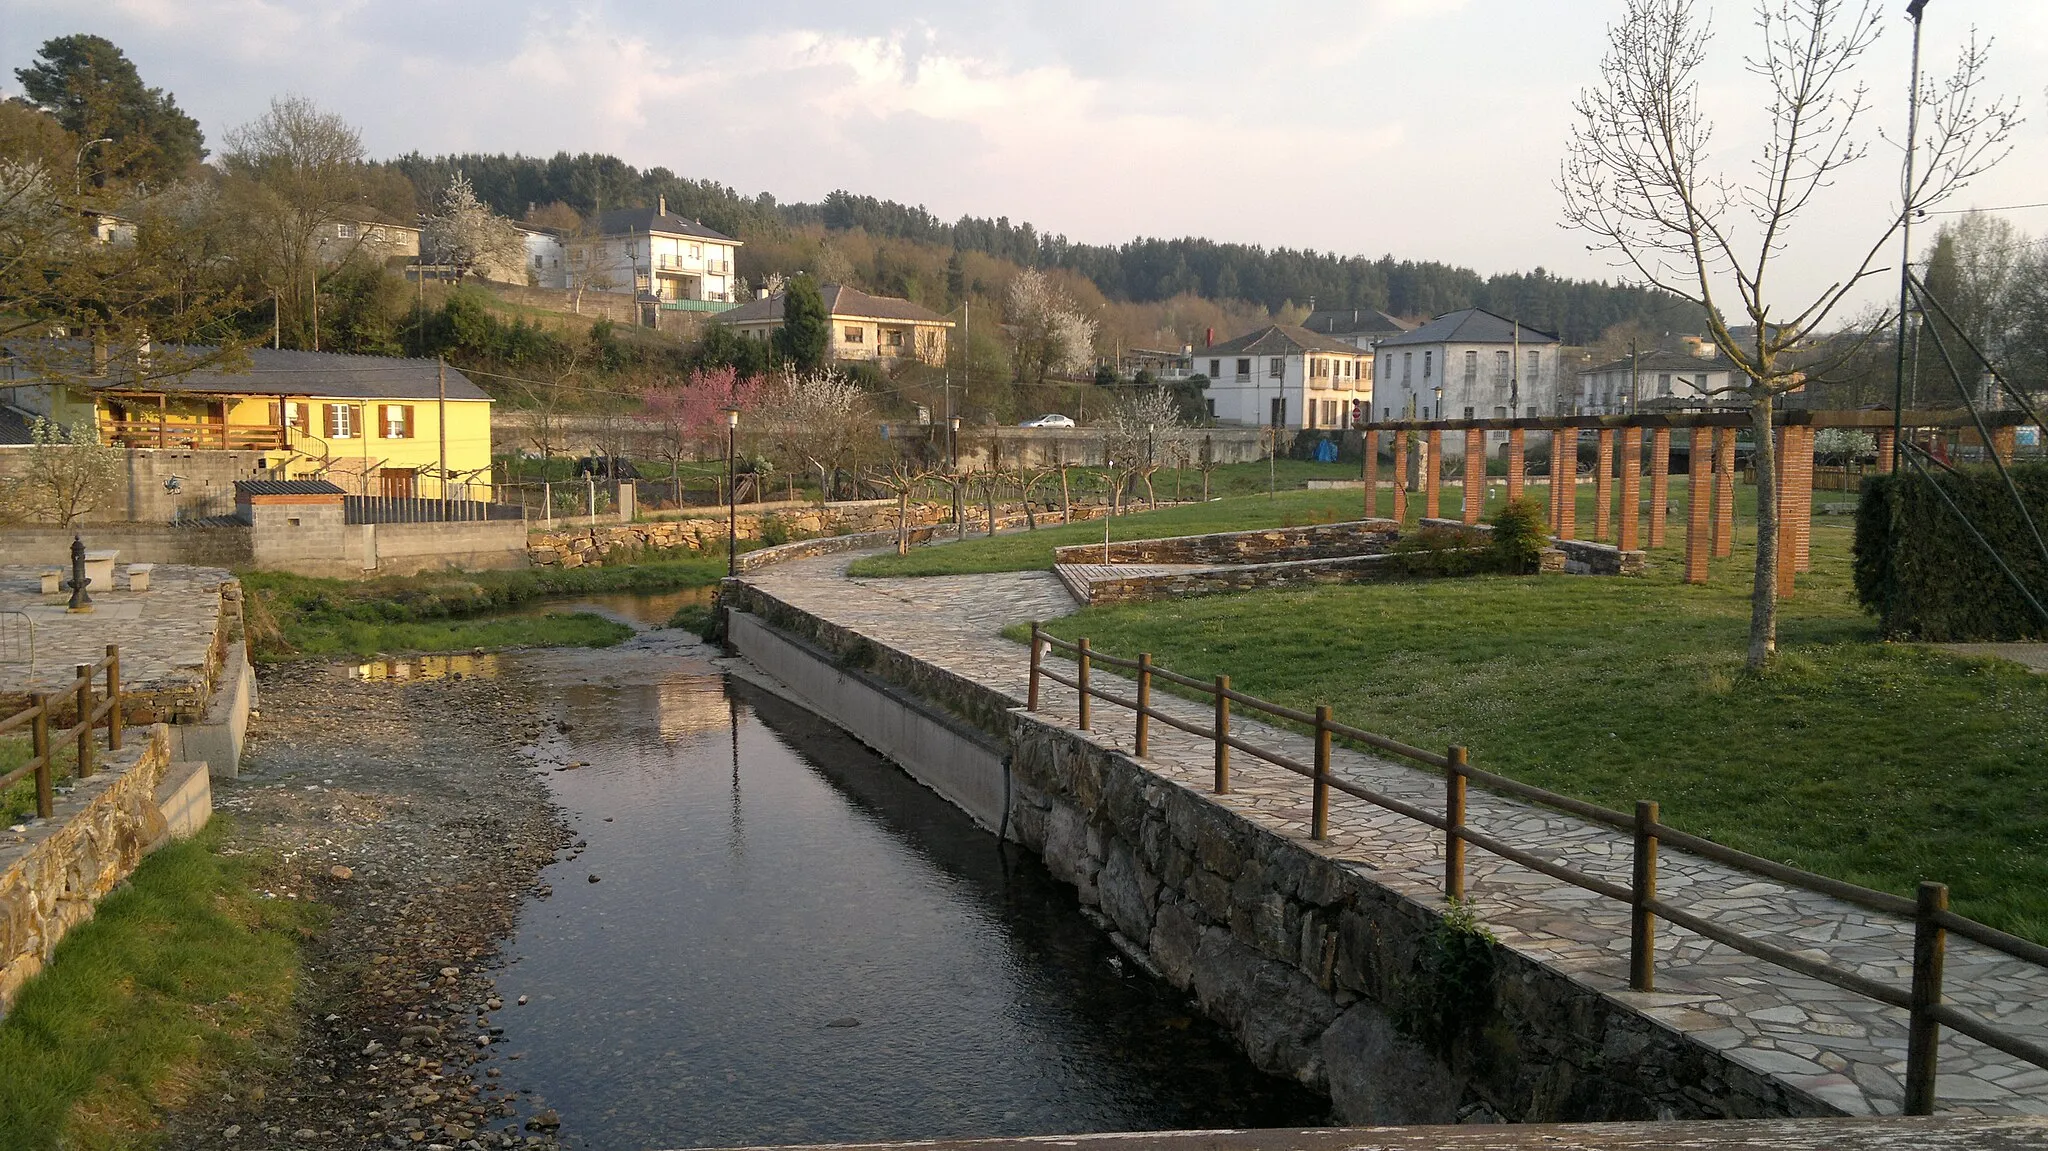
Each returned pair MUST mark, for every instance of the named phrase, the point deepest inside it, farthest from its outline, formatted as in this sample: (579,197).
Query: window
(298,415)
(1663,383)
(696,251)
(1699,382)
(1500,367)
(1428,365)
(345,231)
(1535,368)
(1471,369)
(892,337)
(1468,412)
(1215,369)
(341,422)
(1407,367)
(395,420)
(1212,407)
(1244,370)
(536,260)
(853,334)
(1277,367)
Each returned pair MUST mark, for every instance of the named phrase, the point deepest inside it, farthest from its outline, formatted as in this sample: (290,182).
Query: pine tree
(806,336)
(94,91)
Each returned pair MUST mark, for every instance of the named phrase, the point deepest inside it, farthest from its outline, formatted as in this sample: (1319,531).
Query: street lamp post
(77,177)
(953,470)
(732,496)
(1109,475)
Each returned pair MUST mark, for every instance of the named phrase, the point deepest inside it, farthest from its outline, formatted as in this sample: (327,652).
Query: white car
(1055,420)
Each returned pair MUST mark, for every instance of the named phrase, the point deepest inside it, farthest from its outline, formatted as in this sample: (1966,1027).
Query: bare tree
(1136,431)
(296,178)
(1639,175)
(70,473)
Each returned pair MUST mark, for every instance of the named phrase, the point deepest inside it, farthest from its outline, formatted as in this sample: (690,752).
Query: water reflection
(428,667)
(789,940)
(634,609)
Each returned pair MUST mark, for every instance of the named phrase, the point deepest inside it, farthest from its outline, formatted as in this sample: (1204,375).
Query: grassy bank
(301,617)
(184,972)
(1879,763)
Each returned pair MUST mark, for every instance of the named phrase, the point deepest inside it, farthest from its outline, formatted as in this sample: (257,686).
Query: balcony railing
(214,436)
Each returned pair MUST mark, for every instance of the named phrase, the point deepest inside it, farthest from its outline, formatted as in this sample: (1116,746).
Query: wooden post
(1568,494)
(39,746)
(1699,506)
(1518,464)
(1454,817)
(1372,473)
(1037,654)
(1724,492)
(85,765)
(1081,658)
(1603,486)
(1475,474)
(1923,1036)
(1642,924)
(1660,483)
(113,697)
(1223,725)
(1631,488)
(1401,477)
(1144,703)
(1320,805)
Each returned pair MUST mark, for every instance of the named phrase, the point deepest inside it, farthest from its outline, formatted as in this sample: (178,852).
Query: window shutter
(333,421)
(408,422)
(302,415)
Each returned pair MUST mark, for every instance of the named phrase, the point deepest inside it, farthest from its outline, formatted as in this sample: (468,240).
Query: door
(396,483)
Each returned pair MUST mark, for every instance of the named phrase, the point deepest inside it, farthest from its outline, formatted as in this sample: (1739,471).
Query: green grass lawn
(1879,763)
(293,617)
(182,973)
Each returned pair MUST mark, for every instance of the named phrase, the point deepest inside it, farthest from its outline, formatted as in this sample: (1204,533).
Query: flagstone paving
(165,633)
(1841,1048)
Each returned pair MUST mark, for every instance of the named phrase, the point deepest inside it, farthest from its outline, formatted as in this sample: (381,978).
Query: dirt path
(405,807)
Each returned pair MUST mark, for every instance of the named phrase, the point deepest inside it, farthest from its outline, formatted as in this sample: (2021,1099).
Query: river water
(773,935)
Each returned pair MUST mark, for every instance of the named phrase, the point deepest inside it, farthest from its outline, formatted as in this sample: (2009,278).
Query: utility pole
(1514,369)
(441,417)
(1635,376)
(1914,10)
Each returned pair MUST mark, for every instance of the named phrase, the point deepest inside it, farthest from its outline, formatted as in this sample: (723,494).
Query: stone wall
(205,482)
(1129,589)
(53,871)
(209,545)
(1266,545)
(595,546)
(1581,557)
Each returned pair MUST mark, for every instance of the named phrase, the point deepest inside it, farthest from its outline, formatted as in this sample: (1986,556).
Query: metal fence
(1928,911)
(88,712)
(18,638)
(410,510)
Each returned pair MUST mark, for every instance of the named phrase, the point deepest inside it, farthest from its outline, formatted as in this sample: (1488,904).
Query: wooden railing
(90,712)
(217,436)
(1928,911)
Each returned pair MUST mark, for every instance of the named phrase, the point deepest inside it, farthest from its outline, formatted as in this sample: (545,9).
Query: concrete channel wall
(1321,971)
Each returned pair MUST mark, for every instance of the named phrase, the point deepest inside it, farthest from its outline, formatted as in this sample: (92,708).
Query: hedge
(1926,577)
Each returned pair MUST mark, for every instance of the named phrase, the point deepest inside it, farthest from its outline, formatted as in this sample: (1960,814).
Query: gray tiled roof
(292,373)
(288,488)
(1279,340)
(625,220)
(1469,326)
(14,425)
(1662,361)
(1355,322)
(840,300)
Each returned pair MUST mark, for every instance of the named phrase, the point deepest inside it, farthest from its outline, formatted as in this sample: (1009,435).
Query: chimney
(661,205)
(1208,337)
(760,293)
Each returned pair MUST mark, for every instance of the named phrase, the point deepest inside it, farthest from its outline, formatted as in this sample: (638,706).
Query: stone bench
(138,576)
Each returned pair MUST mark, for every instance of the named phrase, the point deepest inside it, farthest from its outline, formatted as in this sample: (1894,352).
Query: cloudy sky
(1425,128)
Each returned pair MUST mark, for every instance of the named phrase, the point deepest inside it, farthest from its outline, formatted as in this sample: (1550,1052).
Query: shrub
(1440,552)
(774,531)
(1923,574)
(1519,536)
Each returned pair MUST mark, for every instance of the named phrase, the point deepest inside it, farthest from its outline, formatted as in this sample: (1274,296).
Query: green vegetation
(1878,763)
(184,971)
(298,616)
(1925,575)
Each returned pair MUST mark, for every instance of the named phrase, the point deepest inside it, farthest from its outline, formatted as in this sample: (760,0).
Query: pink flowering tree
(690,413)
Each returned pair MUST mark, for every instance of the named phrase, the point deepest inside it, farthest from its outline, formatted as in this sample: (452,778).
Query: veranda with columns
(1619,442)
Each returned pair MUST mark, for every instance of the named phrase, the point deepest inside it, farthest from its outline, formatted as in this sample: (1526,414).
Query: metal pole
(732,503)
(441,419)
(1913,10)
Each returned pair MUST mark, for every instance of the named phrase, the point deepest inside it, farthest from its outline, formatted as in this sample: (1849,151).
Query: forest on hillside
(566,188)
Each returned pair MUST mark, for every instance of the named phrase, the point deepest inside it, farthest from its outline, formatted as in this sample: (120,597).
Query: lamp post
(732,497)
(953,470)
(77,177)
(1109,476)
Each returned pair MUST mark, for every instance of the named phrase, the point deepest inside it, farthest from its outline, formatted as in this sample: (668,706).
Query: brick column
(1631,488)
(1660,483)
(1475,474)
(2003,441)
(1885,444)
(1699,503)
(1724,492)
(1518,473)
(1400,477)
(1372,473)
(1800,487)
(1565,477)
(1787,441)
(1432,472)
(1603,487)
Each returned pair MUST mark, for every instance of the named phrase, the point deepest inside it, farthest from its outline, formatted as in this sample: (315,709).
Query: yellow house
(864,327)
(375,425)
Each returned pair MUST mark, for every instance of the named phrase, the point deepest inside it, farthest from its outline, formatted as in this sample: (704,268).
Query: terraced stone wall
(1265,545)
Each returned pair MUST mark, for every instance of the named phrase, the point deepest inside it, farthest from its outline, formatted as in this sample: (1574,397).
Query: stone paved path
(1839,1047)
(164,633)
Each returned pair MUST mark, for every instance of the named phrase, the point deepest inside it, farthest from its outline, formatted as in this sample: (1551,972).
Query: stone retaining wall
(1581,557)
(53,871)
(1211,581)
(1266,545)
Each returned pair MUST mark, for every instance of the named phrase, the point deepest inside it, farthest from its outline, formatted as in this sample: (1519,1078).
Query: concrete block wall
(217,546)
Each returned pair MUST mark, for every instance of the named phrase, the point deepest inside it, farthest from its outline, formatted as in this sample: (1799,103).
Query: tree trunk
(903,520)
(1763,596)
(989,497)
(1066,499)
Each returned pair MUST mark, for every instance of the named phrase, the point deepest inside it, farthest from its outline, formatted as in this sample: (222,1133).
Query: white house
(546,261)
(652,254)
(1285,376)
(1363,327)
(1654,380)
(1467,364)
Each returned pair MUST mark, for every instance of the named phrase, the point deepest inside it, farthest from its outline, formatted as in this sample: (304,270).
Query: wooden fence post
(1923,1037)
(1320,819)
(85,764)
(1037,654)
(113,697)
(1223,734)
(1081,658)
(1642,923)
(1144,703)
(1454,820)
(39,746)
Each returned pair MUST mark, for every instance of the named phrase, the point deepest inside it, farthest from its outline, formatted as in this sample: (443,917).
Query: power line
(2000,208)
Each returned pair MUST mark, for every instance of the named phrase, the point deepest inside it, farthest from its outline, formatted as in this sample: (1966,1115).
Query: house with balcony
(653,255)
(1657,380)
(1285,376)
(864,327)
(372,424)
